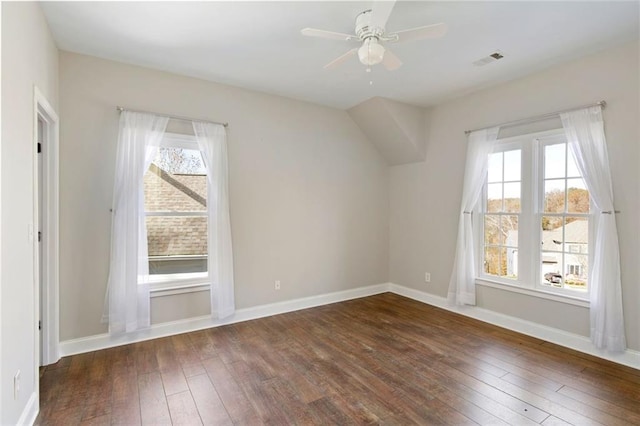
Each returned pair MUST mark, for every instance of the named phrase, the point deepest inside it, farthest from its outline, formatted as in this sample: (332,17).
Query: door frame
(50,231)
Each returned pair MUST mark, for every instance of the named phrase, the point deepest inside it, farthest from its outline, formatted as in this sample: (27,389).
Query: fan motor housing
(364,30)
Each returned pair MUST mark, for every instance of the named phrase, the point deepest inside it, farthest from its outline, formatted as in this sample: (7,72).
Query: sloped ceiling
(398,130)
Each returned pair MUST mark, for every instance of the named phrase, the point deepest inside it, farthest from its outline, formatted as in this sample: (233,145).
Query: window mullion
(537,207)
(526,218)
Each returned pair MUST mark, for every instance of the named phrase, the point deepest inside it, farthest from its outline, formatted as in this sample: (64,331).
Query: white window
(175,190)
(533,221)
(502,214)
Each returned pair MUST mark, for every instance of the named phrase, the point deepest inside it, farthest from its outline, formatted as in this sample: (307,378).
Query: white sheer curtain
(127,301)
(212,140)
(584,130)
(462,286)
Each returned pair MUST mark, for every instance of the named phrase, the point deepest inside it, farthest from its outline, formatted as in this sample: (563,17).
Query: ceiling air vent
(489,59)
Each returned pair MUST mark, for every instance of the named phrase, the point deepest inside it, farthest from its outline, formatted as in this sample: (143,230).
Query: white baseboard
(103,341)
(30,412)
(577,342)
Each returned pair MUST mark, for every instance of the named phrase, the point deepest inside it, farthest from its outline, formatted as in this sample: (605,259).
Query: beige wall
(309,194)
(425,197)
(29,57)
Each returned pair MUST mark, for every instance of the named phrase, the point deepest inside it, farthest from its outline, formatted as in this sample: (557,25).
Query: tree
(497,230)
(498,227)
(179,161)
(577,200)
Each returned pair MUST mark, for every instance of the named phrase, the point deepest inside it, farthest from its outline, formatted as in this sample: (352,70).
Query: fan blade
(312,32)
(390,60)
(428,31)
(380,12)
(340,59)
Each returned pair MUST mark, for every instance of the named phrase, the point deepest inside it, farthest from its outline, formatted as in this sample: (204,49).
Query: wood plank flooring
(382,359)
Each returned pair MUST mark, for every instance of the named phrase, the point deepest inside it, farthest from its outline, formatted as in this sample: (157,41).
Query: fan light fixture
(371,52)
(370,31)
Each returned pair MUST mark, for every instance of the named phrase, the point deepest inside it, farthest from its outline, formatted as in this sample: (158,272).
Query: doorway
(46,230)
(41,224)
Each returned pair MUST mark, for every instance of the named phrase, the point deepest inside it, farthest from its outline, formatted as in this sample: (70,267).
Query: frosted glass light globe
(371,52)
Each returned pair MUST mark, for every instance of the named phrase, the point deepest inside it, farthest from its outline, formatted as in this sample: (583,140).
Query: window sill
(159,291)
(556,297)
(171,284)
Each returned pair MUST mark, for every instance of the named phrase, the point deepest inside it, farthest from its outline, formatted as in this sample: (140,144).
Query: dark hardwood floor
(382,359)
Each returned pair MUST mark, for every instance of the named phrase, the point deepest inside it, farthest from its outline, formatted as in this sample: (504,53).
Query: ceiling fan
(370,31)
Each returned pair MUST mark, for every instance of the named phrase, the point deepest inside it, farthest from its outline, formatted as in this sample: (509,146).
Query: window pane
(576,234)
(551,264)
(494,197)
(512,197)
(183,265)
(511,257)
(503,262)
(492,260)
(576,271)
(572,168)
(577,196)
(554,196)
(509,227)
(495,167)
(554,161)
(552,236)
(177,235)
(512,165)
(177,244)
(180,161)
(176,182)
(491,229)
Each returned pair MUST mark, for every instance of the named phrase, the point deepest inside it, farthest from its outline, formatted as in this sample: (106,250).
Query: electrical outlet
(277,285)
(427,277)
(16,385)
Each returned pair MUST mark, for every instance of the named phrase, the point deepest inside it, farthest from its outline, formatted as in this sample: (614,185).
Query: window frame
(505,145)
(171,284)
(541,143)
(529,280)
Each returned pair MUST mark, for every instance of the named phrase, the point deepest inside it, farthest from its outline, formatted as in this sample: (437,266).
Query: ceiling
(258,45)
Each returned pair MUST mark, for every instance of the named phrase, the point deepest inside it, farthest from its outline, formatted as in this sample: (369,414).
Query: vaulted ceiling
(258,45)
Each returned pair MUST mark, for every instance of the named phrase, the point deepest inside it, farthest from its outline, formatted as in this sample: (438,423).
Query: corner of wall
(394,128)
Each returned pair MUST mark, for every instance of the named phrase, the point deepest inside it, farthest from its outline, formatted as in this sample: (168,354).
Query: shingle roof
(576,232)
(175,235)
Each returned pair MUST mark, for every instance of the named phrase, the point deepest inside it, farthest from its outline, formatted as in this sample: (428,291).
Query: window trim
(172,284)
(529,274)
(178,140)
(539,293)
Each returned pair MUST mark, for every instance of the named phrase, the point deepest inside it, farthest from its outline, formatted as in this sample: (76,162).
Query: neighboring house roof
(576,232)
(175,192)
(175,235)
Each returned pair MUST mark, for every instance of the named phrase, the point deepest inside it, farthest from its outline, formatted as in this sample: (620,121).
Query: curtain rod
(539,117)
(174,117)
